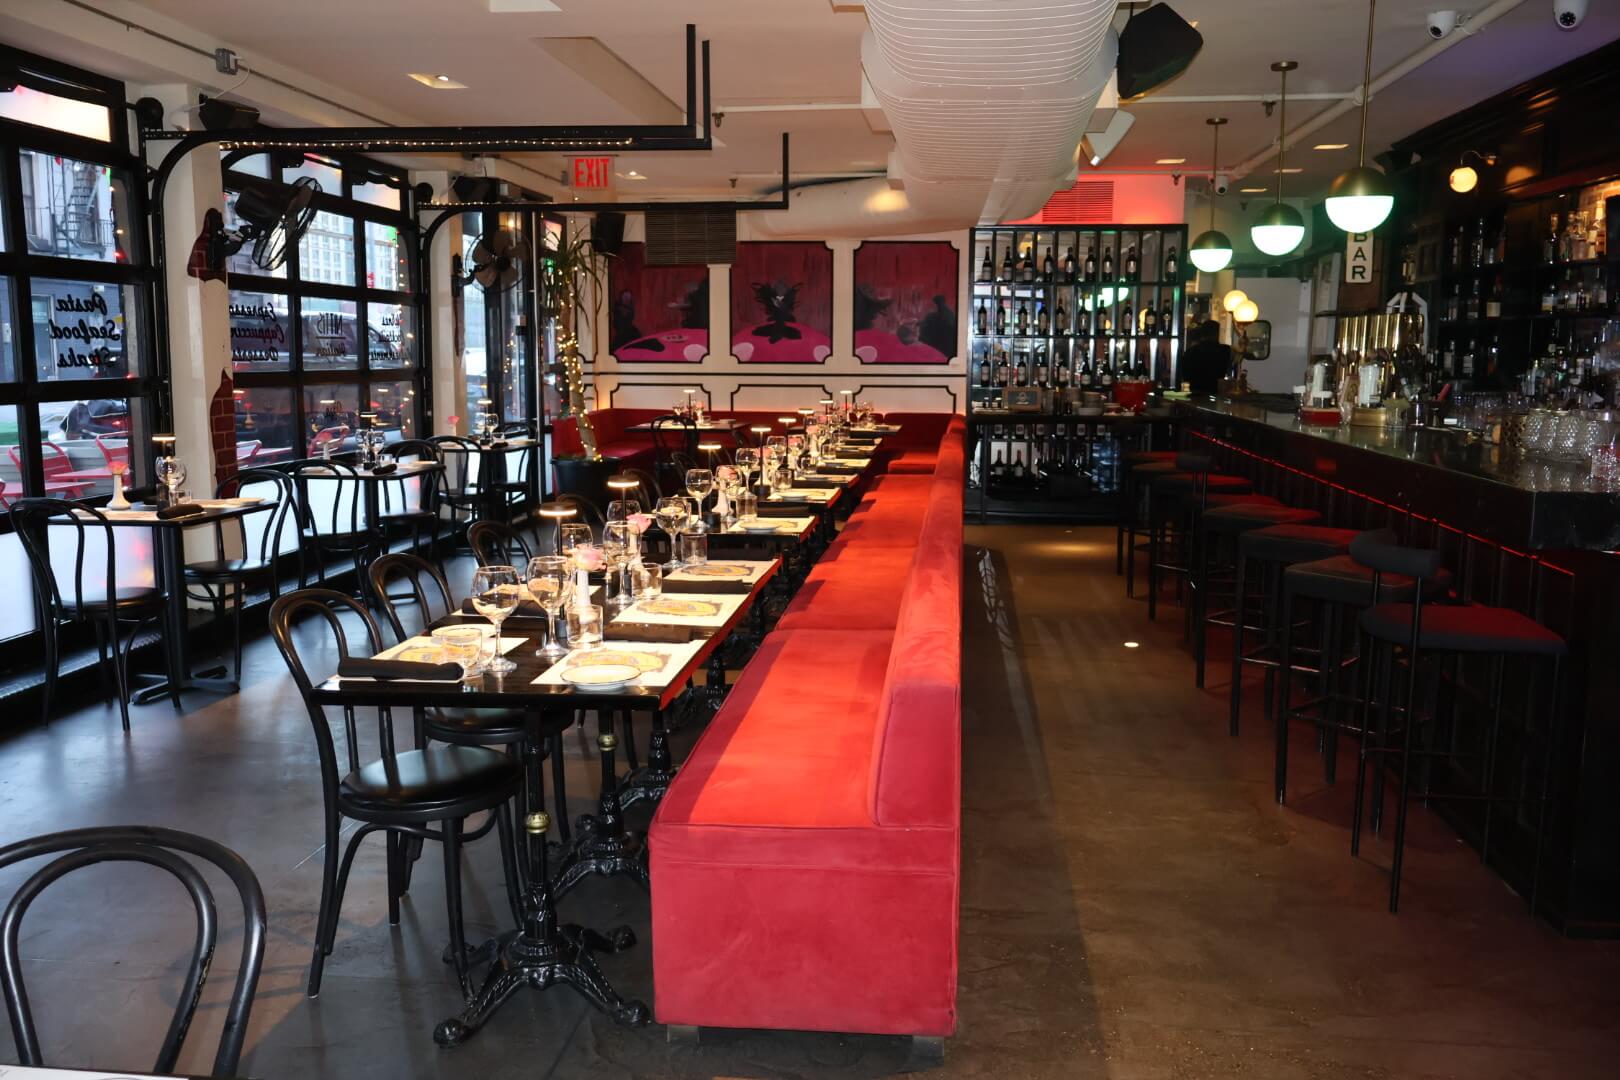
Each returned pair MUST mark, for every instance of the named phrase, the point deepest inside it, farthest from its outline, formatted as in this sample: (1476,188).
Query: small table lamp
(556,513)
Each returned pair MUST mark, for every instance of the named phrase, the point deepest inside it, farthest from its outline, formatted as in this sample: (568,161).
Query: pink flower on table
(118,468)
(726,473)
(640,522)
(589,557)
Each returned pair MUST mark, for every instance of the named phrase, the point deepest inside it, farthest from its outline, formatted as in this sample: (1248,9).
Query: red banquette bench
(805,861)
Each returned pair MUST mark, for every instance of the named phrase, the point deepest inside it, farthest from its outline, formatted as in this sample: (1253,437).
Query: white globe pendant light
(1211,250)
(1360,200)
(1280,229)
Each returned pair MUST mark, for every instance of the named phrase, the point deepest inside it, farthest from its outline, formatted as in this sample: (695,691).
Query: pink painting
(905,302)
(660,314)
(781,303)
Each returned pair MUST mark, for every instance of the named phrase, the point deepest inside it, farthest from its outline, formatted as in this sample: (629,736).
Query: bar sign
(592,173)
(1358,258)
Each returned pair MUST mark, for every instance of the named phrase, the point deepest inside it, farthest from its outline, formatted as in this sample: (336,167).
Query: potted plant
(576,269)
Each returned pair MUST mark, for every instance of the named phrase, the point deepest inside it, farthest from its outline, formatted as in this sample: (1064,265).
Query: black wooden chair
(495,543)
(650,490)
(674,441)
(402,793)
(428,590)
(165,849)
(458,489)
(259,538)
(72,554)
(332,517)
(410,505)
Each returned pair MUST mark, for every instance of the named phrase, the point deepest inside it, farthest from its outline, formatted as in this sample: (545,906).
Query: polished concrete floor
(1134,905)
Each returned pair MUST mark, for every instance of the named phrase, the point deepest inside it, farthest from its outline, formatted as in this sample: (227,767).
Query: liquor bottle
(1040,365)
(1043,326)
(1150,321)
(1167,318)
(1550,250)
(1048,267)
(1001,319)
(1007,264)
(1130,264)
(1127,323)
(1060,375)
(1457,248)
(1091,265)
(1069,265)
(981,319)
(1493,302)
(1172,265)
(1060,322)
(1493,357)
(1473,299)
(1023,317)
(1021,372)
(1478,251)
(987,269)
(1549,298)
(1105,377)
(1454,302)
(1582,297)
(1108,264)
(1139,369)
(1468,359)
(1085,376)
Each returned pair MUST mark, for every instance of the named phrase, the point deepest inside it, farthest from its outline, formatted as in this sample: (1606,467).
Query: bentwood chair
(495,543)
(410,505)
(165,849)
(674,439)
(73,556)
(649,491)
(458,489)
(332,517)
(427,589)
(401,793)
(261,542)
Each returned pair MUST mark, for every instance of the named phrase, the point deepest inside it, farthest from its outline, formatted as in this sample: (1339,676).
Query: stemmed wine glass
(620,544)
(548,584)
(496,591)
(571,535)
(171,472)
(621,509)
(699,482)
(672,514)
(747,461)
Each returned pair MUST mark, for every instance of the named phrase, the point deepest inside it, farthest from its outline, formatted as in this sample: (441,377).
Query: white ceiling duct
(988,101)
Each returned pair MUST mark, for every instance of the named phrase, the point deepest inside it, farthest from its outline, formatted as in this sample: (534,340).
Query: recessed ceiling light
(437,81)
(1253,190)
(633,175)
(1331,146)
(1171,161)
(1290,171)
(1133,644)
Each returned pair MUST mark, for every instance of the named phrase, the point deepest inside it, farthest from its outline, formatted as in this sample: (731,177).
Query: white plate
(761,528)
(600,676)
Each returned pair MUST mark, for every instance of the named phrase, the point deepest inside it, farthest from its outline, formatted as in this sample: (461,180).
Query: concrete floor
(1134,905)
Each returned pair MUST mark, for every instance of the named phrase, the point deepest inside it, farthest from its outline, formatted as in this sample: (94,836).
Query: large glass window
(74,209)
(307,336)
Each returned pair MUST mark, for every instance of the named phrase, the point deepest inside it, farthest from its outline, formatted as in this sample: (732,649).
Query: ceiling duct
(988,101)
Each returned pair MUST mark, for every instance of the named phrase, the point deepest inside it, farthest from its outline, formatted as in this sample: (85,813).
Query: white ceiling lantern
(1360,200)
(1280,229)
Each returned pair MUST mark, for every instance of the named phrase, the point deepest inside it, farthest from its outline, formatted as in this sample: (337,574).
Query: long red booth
(805,861)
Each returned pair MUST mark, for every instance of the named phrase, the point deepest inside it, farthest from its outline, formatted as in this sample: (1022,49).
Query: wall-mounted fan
(273,220)
(497,260)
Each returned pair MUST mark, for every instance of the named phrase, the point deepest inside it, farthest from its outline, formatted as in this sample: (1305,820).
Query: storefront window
(27,105)
(8,334)
(266,426)
(324,173)
(80,442)
(331,335)
(395,406)
(392,340)
(84,330)
(74,209)
(332,414)
(386,265)
(261,333)
(326,253)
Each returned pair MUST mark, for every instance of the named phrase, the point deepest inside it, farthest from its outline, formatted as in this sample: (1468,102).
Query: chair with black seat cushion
(1420,630)
(429,592)
(261,539)
(72,555)
(410,506)
(167,850)
(401,793)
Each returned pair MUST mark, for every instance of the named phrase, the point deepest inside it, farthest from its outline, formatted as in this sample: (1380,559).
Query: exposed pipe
(1222,99)
(1353,100)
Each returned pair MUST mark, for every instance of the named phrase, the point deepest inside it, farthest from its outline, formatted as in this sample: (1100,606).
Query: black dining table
(168,568)
(491,476)
(541,951)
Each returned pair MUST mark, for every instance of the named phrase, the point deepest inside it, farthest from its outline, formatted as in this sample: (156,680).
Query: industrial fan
(273,220)
(497,260)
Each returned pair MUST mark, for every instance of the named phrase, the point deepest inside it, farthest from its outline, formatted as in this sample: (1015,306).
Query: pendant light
(1280,229)
(1360,200)
(1211,250)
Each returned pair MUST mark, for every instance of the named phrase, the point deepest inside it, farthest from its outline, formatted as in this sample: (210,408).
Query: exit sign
(593,173)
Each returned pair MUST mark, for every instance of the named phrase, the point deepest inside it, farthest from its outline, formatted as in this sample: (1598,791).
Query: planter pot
(582,476)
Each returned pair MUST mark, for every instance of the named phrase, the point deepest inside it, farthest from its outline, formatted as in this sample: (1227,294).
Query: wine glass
(171,472)
(548,584)
(747,462)
(621,509)
(699,482)
(496,591)
(571,535)
(620,543)
(672,513)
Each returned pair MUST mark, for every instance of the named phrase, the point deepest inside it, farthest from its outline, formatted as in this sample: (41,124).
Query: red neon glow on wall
(1114,200)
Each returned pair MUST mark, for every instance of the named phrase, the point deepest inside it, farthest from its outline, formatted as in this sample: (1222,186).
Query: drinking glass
(621,546)
(694,548)
(548,584)
(496,591)
(462,645)
(584,626)
(648,579)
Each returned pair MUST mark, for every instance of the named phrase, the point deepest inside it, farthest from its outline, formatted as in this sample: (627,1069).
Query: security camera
(1175,178)
(1223,183)
(1442,23)
(1569,13)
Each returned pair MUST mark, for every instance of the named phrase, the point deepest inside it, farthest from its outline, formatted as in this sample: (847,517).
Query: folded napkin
(731,586)
(525,609)
(179,510)
(657,632)
(776,510)
(359,668)
(383,469)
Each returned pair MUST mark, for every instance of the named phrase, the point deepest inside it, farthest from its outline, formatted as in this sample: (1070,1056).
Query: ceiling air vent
(1088,202)
(687,238)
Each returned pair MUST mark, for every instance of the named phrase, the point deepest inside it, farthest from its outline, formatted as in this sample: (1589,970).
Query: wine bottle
(1091,265)
(987,374)
(1108,264)
(1003,369)
(1061,375)
(987,270)
(1040,365)
(1023,317)
(1007,264)
(1018,466)
(1493,302)
(1105,377)
(1150,321)
(1001,319)
(1172,265)
(1048,267)
(981,319)
(1167,318)
(1021,372)
(1029,264)
(1127,324)
(1043,325)
(1069,265)
(1060,322)
(1130,264)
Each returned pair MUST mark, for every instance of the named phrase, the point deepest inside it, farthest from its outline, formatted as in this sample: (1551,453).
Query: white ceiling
(797,51)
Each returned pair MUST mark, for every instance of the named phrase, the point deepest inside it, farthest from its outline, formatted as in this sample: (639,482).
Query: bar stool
(1180,497)
(1274,547)
(1130,511)
(1336,584)
(1459,629)
(1133,520)
(1228,524)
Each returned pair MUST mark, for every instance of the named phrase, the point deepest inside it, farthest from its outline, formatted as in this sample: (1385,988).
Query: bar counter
(1516,531)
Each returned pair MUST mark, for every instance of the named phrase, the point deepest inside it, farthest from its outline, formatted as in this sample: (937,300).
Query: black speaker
(218,114)
(607,232)
(1155,46)
(474,189)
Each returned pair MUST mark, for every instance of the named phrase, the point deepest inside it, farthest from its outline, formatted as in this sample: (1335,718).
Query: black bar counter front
(1517,531)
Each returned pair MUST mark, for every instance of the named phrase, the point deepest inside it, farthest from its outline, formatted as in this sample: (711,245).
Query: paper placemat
(396,653)
(660,664)
(706,610)
(783,526)
(718,575)
(803,495)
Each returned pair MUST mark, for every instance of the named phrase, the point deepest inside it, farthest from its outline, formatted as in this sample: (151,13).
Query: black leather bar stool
(1335,585)
(1460,629)
(1177,499)
(1273,547)
(1222,527)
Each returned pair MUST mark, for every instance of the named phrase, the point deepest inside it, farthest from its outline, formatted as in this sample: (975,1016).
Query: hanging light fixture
(1246,313)
(1465,178)
(1360,200)
(1280,229)
(1211,250)
(1234,300)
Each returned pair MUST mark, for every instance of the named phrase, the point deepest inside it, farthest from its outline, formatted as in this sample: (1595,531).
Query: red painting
(781,303)
(659,314)
(905,302)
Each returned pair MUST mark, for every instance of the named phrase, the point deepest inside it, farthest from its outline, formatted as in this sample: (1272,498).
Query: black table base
(603,846)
